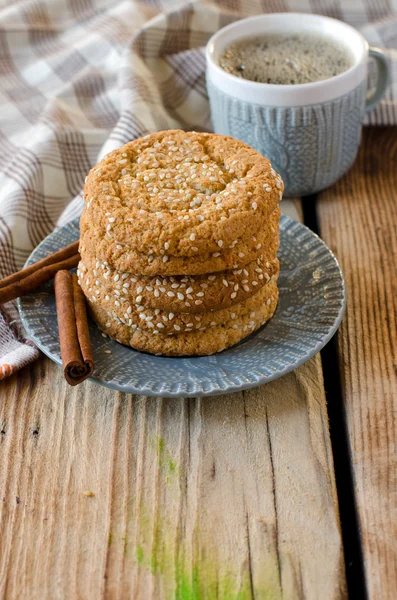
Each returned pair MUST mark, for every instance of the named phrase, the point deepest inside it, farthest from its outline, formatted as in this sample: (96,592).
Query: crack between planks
(274,501)
(339,436)
(250,568)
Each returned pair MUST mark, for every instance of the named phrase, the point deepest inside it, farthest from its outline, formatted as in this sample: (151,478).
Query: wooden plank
(358,219)
(229,497)
(226,497)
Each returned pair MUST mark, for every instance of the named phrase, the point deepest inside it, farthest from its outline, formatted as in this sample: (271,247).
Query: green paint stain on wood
(171,465)
(139,555)
(165,460)
(110,539)
(186,589)
(208,578)
(181,583)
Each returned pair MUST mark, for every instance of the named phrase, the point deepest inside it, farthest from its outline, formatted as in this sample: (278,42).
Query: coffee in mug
(285,59)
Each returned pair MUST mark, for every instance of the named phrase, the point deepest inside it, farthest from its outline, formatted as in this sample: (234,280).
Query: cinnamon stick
(59,256)
(76,351)
(29,279)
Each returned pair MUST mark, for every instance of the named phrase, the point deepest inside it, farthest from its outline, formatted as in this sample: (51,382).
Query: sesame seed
(138,299)
(166,245)
(107,352)
(177,328)
(233,295)
(156,293)
(198,302)
(254,205)
(117,303)
(171,316)
(200,294)
(220,243)
(180,296)
(192,237)
(241,254)
(170,294)
(116,277)
(246,288)
(165,258)
(216,254)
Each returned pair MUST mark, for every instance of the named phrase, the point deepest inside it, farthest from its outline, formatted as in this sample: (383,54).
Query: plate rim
(231,388)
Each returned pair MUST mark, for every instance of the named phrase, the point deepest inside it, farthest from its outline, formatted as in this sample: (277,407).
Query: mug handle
(382,64)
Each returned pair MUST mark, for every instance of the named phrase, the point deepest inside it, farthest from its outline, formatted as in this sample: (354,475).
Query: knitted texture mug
(310,132)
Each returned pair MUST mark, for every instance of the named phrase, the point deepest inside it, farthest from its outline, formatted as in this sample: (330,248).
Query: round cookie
(173,323)
(193,294)
(195,343)
(124,258)
(180,193)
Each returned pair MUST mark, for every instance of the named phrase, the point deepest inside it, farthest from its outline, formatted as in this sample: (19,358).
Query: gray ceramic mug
(311,132)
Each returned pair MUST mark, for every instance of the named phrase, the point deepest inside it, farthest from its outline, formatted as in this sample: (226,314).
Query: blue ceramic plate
(312,302)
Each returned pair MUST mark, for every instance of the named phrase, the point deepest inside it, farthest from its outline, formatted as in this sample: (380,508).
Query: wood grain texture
(107,495)
(358,219)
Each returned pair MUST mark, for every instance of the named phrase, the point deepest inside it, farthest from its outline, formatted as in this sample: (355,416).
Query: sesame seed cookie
(194,343)
(124,258)
(185,293)
(180,194)
(170,322)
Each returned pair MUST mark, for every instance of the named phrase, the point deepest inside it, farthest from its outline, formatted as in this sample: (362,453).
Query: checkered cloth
(79,78)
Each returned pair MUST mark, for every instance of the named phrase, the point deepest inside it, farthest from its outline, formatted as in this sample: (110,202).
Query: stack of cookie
(179,239)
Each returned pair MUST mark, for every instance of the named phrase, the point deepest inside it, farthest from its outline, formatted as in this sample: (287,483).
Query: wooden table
(105,494)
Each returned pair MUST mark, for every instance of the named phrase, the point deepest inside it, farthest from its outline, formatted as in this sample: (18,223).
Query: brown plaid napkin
(79,78)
